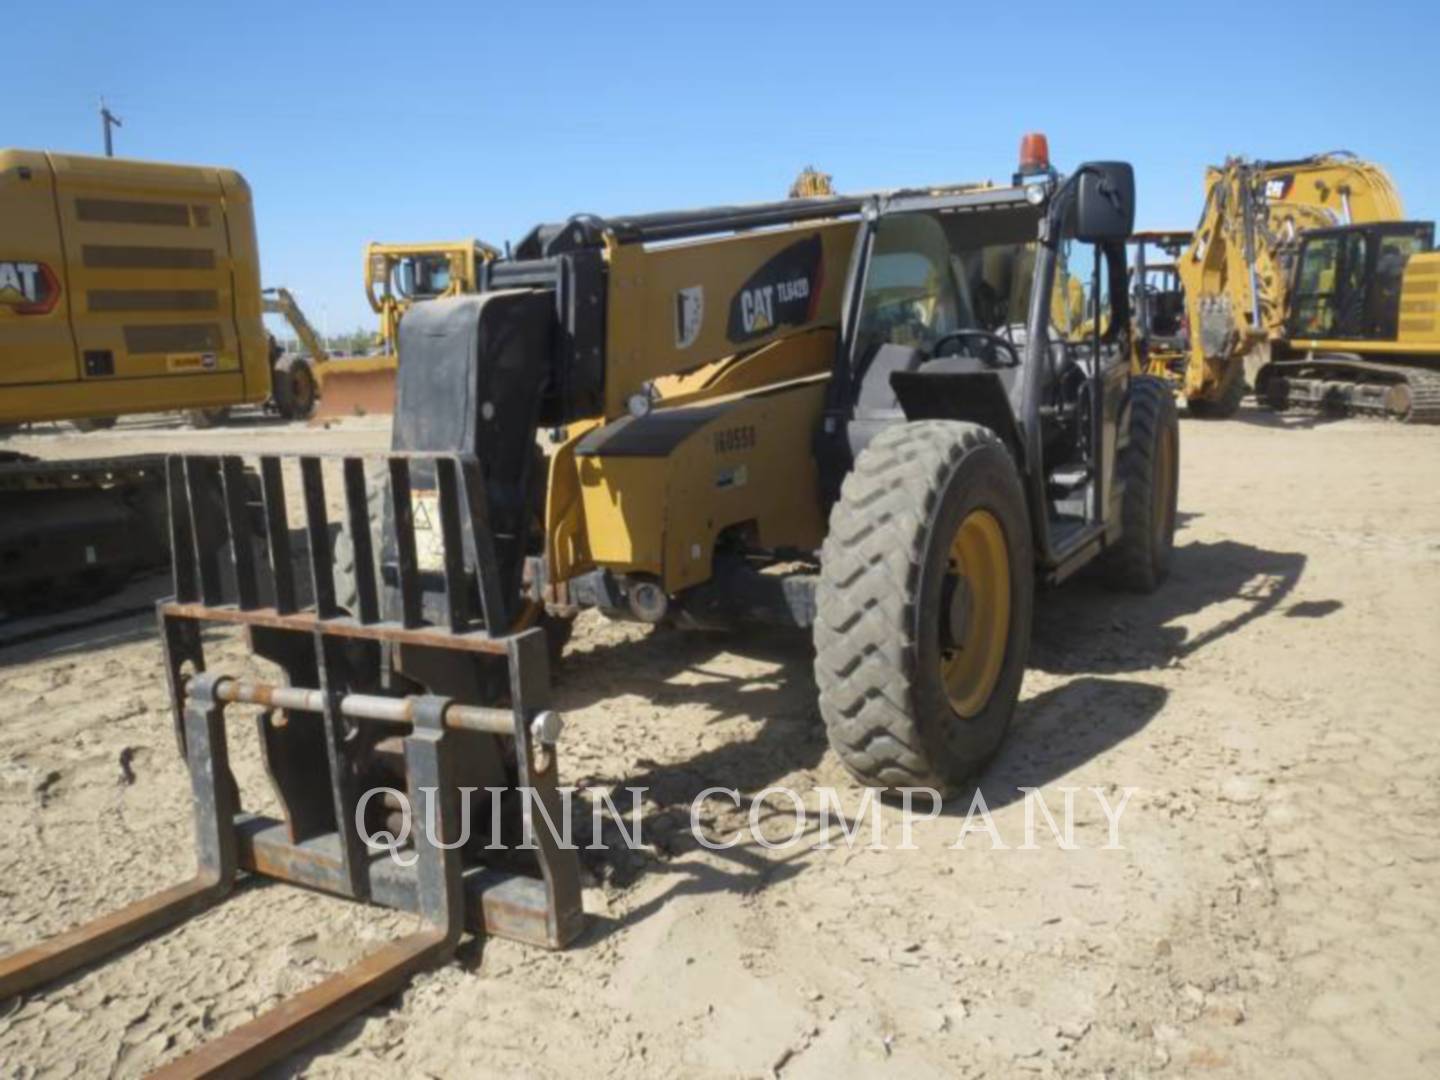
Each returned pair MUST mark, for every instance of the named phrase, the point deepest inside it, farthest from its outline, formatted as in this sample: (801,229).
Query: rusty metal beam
(436,638)
(215,807)
(25,970)
(302,1019)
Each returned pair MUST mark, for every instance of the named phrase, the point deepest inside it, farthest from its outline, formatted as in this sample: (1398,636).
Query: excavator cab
(1348,281)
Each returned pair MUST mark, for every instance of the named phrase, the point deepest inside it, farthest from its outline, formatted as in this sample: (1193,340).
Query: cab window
(1080,293)
(930,274)
(422,276)
(910,293)
(1394,255)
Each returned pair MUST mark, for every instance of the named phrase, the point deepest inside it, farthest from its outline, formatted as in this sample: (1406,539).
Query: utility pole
(108,120)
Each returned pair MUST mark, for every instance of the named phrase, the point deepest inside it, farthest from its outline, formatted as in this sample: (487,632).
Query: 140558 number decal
(733,439)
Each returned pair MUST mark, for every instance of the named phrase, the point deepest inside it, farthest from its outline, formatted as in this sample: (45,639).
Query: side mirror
(1105,202)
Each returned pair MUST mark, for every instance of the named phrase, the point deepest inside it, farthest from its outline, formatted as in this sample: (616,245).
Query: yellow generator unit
(126,287)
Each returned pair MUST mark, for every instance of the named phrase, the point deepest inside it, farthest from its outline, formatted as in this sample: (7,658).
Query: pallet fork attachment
(358,694)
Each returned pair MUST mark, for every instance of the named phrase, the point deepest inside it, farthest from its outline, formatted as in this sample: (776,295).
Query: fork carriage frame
(351,690)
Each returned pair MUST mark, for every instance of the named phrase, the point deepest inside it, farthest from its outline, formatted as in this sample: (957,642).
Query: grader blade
(362,387)
(397,696)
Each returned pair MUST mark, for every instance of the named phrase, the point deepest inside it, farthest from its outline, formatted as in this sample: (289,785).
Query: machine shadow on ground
(1054,733)
(1256,415)
(1082,627)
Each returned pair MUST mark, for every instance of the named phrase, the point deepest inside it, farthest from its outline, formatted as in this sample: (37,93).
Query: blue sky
(394,122)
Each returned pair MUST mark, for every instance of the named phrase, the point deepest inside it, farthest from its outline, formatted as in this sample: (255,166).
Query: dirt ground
(1274,908)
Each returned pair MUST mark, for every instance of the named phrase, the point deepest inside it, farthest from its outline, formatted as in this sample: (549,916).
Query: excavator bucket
(414,692)
(361,387)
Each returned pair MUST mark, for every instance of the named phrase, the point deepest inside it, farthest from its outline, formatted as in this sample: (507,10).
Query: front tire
(924,606)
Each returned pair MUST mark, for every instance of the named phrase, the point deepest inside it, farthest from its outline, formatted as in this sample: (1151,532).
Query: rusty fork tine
(74,949)
(299,1020)
(302,1019)
(214,803)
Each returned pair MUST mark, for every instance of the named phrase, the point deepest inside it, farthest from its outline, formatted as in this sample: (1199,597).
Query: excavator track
(1352,385)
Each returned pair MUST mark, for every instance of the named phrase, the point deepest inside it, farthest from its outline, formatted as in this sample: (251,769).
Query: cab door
(1087,314)
(36,341)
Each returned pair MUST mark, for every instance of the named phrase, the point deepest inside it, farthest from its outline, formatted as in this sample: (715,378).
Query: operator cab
(964,285)
(1347,280)
(1157,295)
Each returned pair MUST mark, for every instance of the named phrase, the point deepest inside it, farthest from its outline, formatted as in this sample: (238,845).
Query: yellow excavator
(125,287)
(296,375)
(1362,334)
(1237,269)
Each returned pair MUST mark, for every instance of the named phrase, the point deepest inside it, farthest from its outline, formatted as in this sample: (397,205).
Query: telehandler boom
(855,414)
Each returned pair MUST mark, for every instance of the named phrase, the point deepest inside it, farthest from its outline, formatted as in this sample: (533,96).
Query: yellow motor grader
(396,277)
(856,415)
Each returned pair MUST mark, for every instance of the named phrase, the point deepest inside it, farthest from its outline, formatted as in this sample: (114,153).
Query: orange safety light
(1034,154)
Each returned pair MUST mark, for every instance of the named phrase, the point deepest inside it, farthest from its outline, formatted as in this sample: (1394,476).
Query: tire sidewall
(984,479)
(1159,548)
(302,392)
(1168,429)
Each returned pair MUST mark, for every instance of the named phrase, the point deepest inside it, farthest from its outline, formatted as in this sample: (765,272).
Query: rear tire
(924,606)
(1149,467)
(294,387)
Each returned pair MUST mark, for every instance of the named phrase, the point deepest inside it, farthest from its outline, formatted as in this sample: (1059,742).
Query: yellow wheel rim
(975,622)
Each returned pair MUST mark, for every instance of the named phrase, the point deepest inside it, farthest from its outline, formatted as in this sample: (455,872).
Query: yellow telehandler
(849,414)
